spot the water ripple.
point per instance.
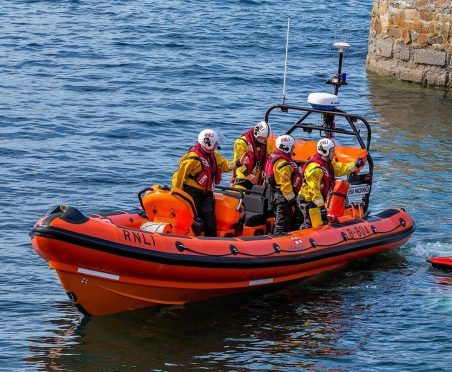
(100, 99)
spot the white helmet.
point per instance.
(262, 129)
(208, 139)
(285, 143)
(325, 147)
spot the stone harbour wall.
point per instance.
(412, 41)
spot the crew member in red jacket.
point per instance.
(319, 174)
(252, 145)
(199, 171)
(285, 180)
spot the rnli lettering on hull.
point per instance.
(138, 237)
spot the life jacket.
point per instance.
(327, 182)
(256, 157)
(296, 177)
(210, 173)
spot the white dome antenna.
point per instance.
(341, 45)
(323, 101)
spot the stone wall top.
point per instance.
(412, 40)
(418, 22)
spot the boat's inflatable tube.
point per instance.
(107, 263)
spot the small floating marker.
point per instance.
(443, 263)
(402, 222)
(233, 249)
(276, 248)
(313, 243)
(374, 229)
(180, 246)
(344, 236)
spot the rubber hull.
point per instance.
(106, 265)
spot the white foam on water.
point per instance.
(432, 249)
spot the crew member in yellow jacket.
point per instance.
(319, 174)
(253, 147)
(285, 179)
(199, 171)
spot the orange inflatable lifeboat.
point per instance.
(152, 256)
(108, 263)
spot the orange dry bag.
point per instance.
(336, 201)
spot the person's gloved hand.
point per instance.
(323, 214)
(359, 162)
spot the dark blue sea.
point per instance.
(99, 99)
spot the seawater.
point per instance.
(100, 99)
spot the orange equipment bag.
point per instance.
(336, 201)
(170, 211)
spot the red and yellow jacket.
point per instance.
(319, 176)
(284, 174)
(257, 155)
(200, 169)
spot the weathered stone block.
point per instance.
(380, 66)
(376, 29)
(427, 16)
(406, 37)
(430, 57)
(381, 11)
(400, 4)
(414, 36)
(422, 40)
(402, 52)
(413, 42)
(448, 49)
(410, 14)
(442, 4)
(427, 28)
(395, 32)
(436, 77)
(384, 24)
(411, 74)
(384, 47)
(410, 25)
(395, 21)
(371, 46)
(394, 4)
(436, 41)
